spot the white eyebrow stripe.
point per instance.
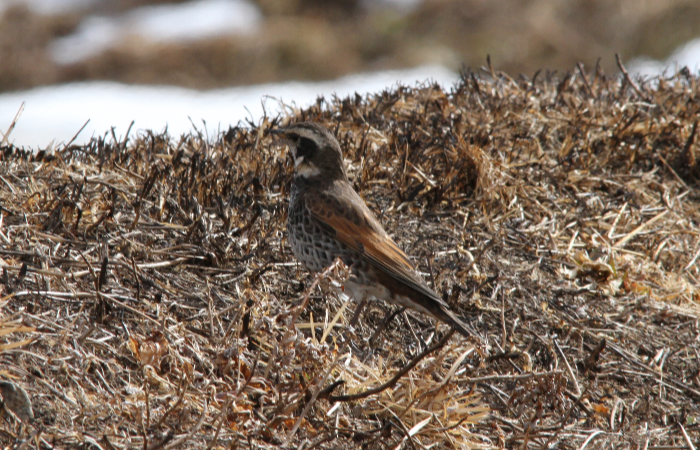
(308, 134)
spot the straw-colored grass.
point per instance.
(559, 216)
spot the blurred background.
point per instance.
(218, 44)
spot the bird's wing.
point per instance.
(347, 217)
(343, 214)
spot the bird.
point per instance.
(327, 219)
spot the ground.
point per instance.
(150, 298)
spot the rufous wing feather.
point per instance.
(354, 225)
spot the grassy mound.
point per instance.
(149, 297)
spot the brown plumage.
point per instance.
(328, 219)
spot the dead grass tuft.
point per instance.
(559, 215)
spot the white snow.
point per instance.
(688, 55)
(403, 6)
(93, 36)
(187, 21)
(55, 114)
(197, 20)
(48, 7)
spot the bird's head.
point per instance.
(315, 151)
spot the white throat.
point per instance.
(306, 170)
(303, 169)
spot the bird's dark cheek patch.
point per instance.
(306, 147)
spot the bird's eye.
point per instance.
(306, 147)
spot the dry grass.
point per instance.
(559, 215)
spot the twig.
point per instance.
(250, 377)
(637, 230)
(688, 147)
(146, 425)
(695, 393)
(181, 396)
(387, 320)
(335, 320)
(36, 435)
(692, 261)
(167, 438)
(685, 436)
(126, 136)
(617, 219)
(531, 424)
(524, 376)
(323, 440)
(585, 80)
(194, 429)
(12, 125)
(76, 135)
(566, 417)
(668, 166)
(317, 279)
(395, 378)
(613, 413)
(136, 280)
(441, 384)
(133, 310)
(627, 76)
(591, 359)
(503, 323)
(590, 438)
(318, 389)
(488, 245)
(92, 272)
(222, 416)
(568, 368)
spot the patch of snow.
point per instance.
(187, 21)
(49, 7)
(93, 36)
(55, 114)
(686, 56)
(196, 20)
(404, 6)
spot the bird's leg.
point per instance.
(387, 319)
(358, 311)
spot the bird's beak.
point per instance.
(279, 131)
